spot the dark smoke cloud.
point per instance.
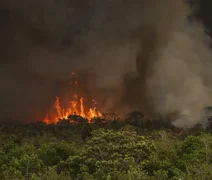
(138, 54)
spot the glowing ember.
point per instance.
(75, 82)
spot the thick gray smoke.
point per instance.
(138, 54)
(181, 78)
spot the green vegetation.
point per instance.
(134, 149)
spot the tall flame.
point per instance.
(82, 108)
(76, 107)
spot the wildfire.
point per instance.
(76, 107)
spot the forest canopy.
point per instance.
(134, 149)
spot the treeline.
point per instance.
(108, 148)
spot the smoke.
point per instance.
(181, 74)
(138, 54)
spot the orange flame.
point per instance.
(76, 108)
(82, 108)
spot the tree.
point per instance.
(51, 174)
(134, 118)
(77, 119)
(52, 153)
(22, 162)
(138, 119)
(164, 161)
(110, 153)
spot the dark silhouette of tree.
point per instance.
(110, 116)
(75, 119)
(136, 118)
(98, 120)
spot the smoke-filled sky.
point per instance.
(135, 54)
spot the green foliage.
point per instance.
(111, 153)
(196, 154)
(57, 152)
(53, 152)
(163, 161)
(51, 174)
(22, 161)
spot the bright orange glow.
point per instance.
(58, 108)
(82, 113)
(46, 119)
(76, 108)
(93, 113)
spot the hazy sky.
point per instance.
(121, 44)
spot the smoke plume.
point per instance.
(138, 54)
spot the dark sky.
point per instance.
(205, 13)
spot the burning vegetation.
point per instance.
(76, 106)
